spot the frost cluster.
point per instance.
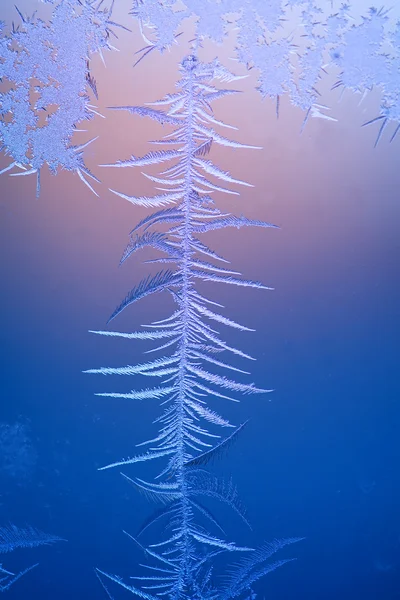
(291, 44)
(45, 72)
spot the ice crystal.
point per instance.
(189, 370)
(46, 69)
(292, 63)
(12, 538)
(367, 58)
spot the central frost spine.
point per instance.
(183, 572)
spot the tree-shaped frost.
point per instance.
(188, 371)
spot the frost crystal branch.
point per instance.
(12, 538)
(188, 370)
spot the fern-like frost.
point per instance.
(190, 364)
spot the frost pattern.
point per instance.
(367, 58)
(47, 72)
(12, 538)
(189, 369)
(291, 60)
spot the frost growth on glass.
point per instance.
(192, 350)
(13, 538)
(292, 45)
(45, 72)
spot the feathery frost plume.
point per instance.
(189, 369)
(12, 538)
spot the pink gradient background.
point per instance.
(333, 195)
